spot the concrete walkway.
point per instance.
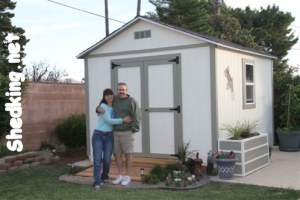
(282, 172)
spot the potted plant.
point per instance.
(241, 130)
(289, 135)
(251, 148)
(225, 162)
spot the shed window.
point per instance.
(142, 34)
(248, 84)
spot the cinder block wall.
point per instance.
(44, 106)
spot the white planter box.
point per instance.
(252, 153)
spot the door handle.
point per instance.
(178, 109)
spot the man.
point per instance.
(124, 105)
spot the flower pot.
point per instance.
(289, 141)
(225, 168)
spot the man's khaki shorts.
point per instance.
(123, 142)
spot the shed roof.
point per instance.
(209, 39)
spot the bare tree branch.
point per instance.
(42, 72)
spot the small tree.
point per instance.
(42, 72)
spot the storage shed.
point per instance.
(187, 84)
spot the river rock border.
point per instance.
(26, 160)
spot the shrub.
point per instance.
(159, 171)
(72, 131)
(150, 179)
(170, 167)
(46, 146)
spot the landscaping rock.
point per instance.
(32, 154)
(39, 158)
(13, 168)
(55, 159)
(45, 162)
(18, 163)
(28, 160)
(10, 159)
(23, 156)
(34, 164)
(5, 166)
(24, 166)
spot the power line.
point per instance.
(85, 11)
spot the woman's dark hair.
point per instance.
(106, 92)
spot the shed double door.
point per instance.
(156, 84)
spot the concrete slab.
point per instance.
(83, 163)
(282, 172)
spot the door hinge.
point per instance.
(113, 65)
(176, 60)
(178, 109)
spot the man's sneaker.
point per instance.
(97, 187)
(118, 180)
(126, 180)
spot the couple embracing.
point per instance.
(119, 119)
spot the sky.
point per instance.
(58, 34)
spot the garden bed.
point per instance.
(133, 185)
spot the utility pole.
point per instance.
(218, 3)
(106, 18)
(138, 8)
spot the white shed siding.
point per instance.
(195, 81)
(99, 79)
(160, 37)
(196, 102)
(230, 105)
(196, 107)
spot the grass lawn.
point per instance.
(42, 183)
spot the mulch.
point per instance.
(71, 155)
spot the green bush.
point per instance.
(159, 171)
(72, 131)
(170, 167)
(150, 179)
(46, 146)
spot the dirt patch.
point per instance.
(71, 155)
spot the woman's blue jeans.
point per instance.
(103, 143)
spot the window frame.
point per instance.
(246, 105)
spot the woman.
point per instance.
(102, 140)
